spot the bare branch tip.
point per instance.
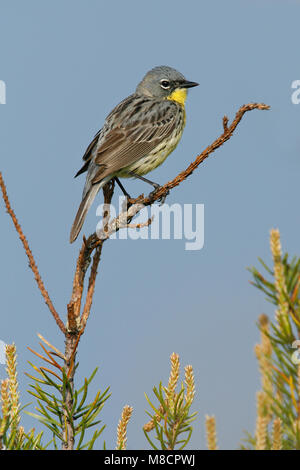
(225, 123)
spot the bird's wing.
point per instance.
(88, 154)
(135, 134)
(110, 121)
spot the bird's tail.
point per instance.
(86, 203)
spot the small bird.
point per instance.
(137, 136)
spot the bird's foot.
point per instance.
(163, 198)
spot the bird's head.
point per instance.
(165, 83)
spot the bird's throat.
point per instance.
(179, 95)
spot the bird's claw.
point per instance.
(163, 198)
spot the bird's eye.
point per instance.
(165, 84)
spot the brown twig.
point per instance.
(83, 262)
(91, 287)
(225, 123)
(108, 192)
(142, 224)
(74, 305)
(29, 254)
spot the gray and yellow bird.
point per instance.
(137, 136)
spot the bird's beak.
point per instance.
(187, 84)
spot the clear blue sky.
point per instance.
(66, 64)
